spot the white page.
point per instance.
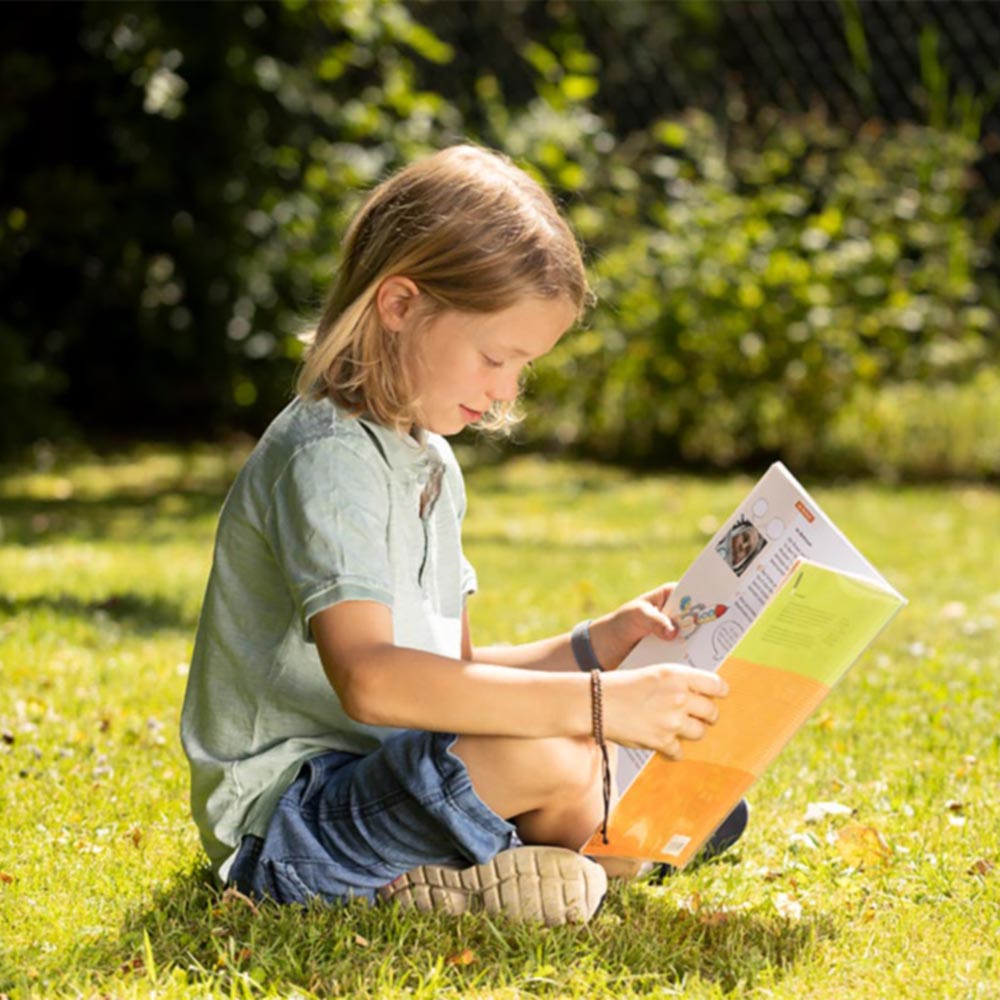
(730, 581)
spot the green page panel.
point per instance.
(818, 623)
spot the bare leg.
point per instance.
(551, 789)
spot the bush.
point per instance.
(754, 287)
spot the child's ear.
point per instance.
(396, 300)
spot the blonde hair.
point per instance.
(476, 234)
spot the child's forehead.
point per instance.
(529, 327)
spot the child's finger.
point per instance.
(705, 709)
(660, 624)
(704, 682)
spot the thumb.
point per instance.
(658, 623)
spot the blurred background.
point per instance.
(789, 211)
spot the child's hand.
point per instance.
(656, 707)
(614, 635)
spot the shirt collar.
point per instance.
(402, 451)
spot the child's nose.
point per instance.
(505, 387)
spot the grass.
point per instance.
(103, 891)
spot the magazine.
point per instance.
(780, 604)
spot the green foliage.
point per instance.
(177, 226)
(761, 279)
(754, 286)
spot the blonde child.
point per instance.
(345, 736)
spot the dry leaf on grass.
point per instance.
(981, 866)
(787, 907)
(362, 942)
(862, 846)
(815, 811)
(232, 894)
(464, 957)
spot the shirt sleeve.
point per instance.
(327, 524)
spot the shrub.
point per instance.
(753, 287)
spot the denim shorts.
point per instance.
(350, 824)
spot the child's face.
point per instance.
(743, 545)
(467, 361)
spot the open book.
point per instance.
(780, 604)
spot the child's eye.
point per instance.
(492, 362)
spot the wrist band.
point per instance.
(583, 649)
(597, 717)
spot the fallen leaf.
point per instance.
(981, 866)
(232, 894)
(6, 878)
(862, 846)
(135, 835)
(816, 811)
(787, 907)
(692, 904)
(464, 957)
(362, 941)
(136, 965)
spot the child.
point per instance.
(345, 736)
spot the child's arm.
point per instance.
(613, 636)
(379, 683)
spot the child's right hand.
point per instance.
(656, 707)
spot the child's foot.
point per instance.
(552, 885)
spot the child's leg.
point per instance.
(550, 789)
(353, 825)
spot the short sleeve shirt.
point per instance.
(328, 508)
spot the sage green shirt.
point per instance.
(328, 508)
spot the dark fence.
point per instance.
(934, 62)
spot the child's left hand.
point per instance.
(614, 635)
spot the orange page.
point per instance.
(810, 632)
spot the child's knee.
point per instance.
(571, 767)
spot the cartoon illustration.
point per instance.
(692, 615)
(741, 545)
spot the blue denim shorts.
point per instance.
(350, 824)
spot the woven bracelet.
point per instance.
(597, 716)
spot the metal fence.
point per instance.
(924, 60)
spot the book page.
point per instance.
(732, 579)
(817, 624)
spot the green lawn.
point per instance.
(103, 892)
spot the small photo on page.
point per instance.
(741, 544)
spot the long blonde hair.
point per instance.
(475, 233)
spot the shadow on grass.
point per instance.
(31, 521)
(640, 943)
(139, 614)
